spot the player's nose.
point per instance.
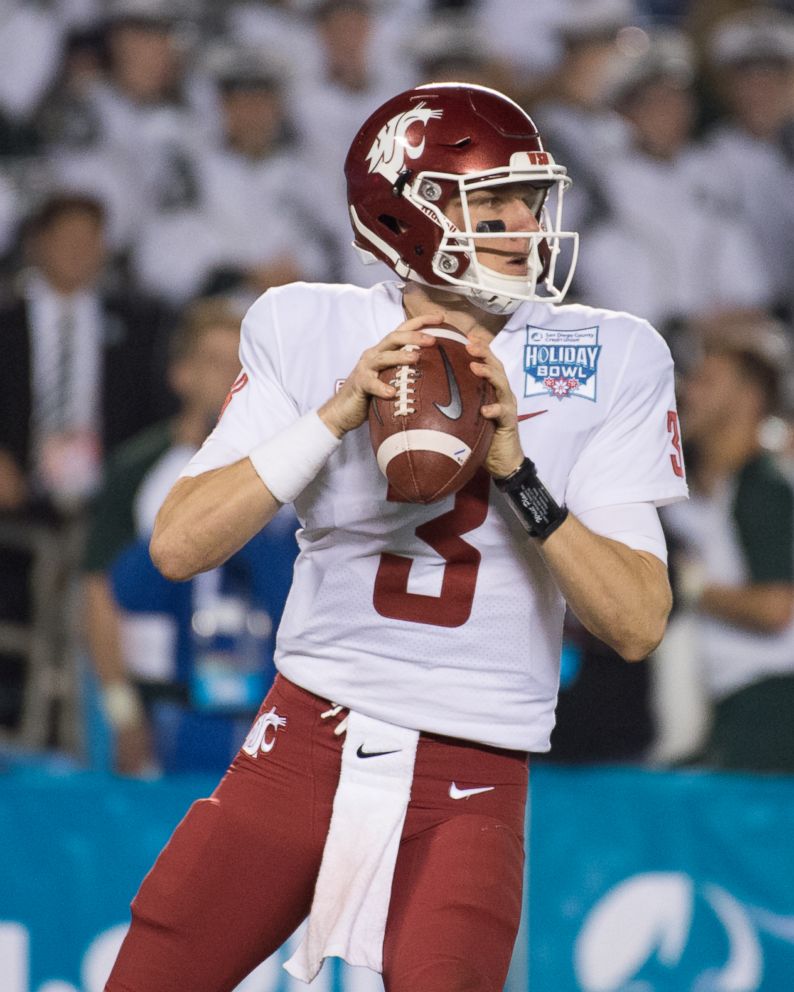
(520, 217)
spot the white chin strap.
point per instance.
(496, 292)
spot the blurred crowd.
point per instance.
(163, 162)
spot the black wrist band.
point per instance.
(532, 503)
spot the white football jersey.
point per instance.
(444, 618)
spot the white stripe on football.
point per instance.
(422, 440)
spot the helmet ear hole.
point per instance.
(394, 225)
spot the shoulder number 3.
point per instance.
(462, 562)
(677, 459)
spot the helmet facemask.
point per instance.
(456, 260)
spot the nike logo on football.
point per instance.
(456, 793)
(361, 753)
(528, 416)
(454, 408)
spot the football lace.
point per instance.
(403, 382)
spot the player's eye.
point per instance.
(534, 197)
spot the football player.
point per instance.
(382, 788)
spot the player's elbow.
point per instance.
(642, 638)
(638, 648)
(171, 557)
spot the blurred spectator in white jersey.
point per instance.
(452, 48)
(125, 139)
(734, 568)
(525, 36)
(664, 251)
(579, 129)
(63, 118)
(275, 26)
(78, 14)
(241, 228)
(533, 38)
(751, 153)
(354, 75)
(30, 38)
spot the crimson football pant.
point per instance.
(237, 876)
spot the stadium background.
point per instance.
(642, 875)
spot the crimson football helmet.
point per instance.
(445, 140)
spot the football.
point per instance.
(431, 438)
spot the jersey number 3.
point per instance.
(677, 459)
(462, 562)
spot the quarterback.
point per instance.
(381, 790)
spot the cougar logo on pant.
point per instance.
(258, 739)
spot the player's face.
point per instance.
(516, 205)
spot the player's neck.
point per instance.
(458, 311)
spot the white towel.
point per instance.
(351, 898)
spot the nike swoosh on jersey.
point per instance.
(361, 753)
(456, 793)
(454, 408)
(528, 416)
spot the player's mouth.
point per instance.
(512, 263)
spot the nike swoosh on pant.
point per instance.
(456, 793)
(361, 753)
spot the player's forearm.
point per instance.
(766, 608)
(620, 595)
(206, 519)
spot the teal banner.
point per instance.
(644, 882)
(638, 882)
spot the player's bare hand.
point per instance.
(348, 409)
(505, 454)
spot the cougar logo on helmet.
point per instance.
(387, 155)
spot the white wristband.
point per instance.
(122, 706)
(288, 462)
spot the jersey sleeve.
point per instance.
(636, 525)
(259, 404)
(634, 456)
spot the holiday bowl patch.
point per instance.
(561, 363)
